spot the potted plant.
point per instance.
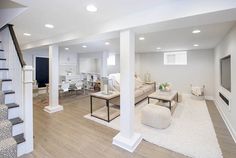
(165, 87)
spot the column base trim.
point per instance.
(129, 144)
(52, 109)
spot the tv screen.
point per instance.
(225, 68)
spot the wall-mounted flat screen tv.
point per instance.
(225, 72)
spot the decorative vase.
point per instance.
(105, 85)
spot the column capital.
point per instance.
(54, 45)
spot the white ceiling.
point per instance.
(72, 21)
(183, 39)
(6, 4)
(168, 40)
(71, 15)
(9, 10)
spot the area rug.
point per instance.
(191, 132)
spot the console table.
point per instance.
(107, 98)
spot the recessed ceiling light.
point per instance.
(158, 48)
(196, 45)
(107, 43)
(141, 38)
(91, 8)
(49, 26)
(196, 31)
(27, 34)
(84, 46)
(66, 48)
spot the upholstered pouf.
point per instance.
(156, 116)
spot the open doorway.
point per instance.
(42, 71)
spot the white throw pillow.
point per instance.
(139, 80)
(115, 81)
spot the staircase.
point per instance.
(12, 127)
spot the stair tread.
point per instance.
(16, 121)
(6, 80)
(12, 105)
(19, 138)
(8, 92)
(7, 142)
(4, 69)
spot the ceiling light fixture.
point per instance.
(107, 43)
(91, 8)
(50, 26)
(141, 38)
(158, 48)
(27, 34)
(66, 48)
(196, 45)
(196, 31)
(84, 46)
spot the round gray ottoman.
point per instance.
(156, 116)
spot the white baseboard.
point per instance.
(206, 97)
(226, 120)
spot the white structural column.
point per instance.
(28, 108)
(127, 138)
(104, 64)
(53, 81)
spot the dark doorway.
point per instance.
(42, 71)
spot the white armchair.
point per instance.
(79, 85)
(64, 87)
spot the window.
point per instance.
(175, 58)
(111, 60)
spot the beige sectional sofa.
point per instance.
(142, 89)
(142, 92)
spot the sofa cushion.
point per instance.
(139, 79)
(138, 93)
(146, 88)
(138, 84)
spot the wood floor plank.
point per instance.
(227, 144)
(67, 134)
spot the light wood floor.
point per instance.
(67, 134)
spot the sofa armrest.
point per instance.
(152, 83)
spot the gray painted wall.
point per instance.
(199, 70)
(226, 47)
(67, 61)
